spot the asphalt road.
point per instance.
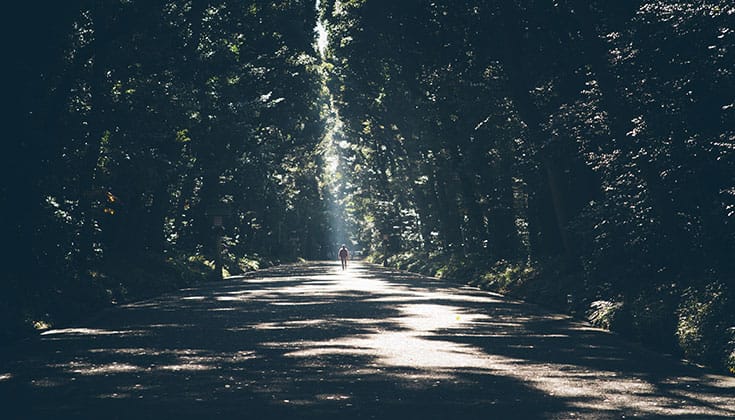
(313, 341)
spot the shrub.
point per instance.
(649, 317)
(704, 328)
(605, 314)
(504, 277)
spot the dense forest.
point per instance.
(577, 153)
(132, 125)
(580, 154)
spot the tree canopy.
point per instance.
(577, 152)
(130, 119)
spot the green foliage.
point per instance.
(457, 269)
(249, 264)
(649, 317)
(705, 327)
(432, 264)
(506, 278)
(580, 159)
(604, 314)
(132, 119)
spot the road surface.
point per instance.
(313, 341)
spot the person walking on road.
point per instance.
(344, 255)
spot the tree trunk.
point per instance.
(520, 86)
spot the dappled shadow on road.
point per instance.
(311, 340)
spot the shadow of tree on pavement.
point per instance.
(313, 341)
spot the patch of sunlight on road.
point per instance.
(83, 331)
(280, 325)
(337, 282)
(192, 367)
(184, 356)
(412, 296)
(316, 323)
(420, 334)
(195, 298)
(101, 369)
(428, 317)
(419, 342)
(151, 360)
(115, 396)
(400, 349)
(66, 333)
(170, 325)
(583, 388)
(686, 389)
(410, 347)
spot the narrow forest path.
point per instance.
(312, 341)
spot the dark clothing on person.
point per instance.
(344, 255)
